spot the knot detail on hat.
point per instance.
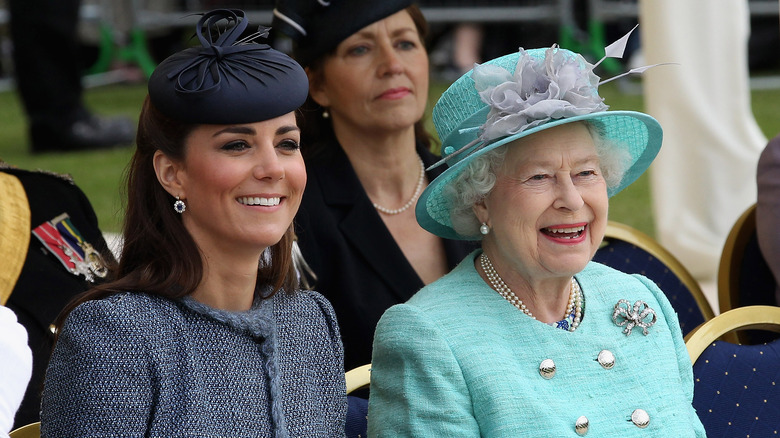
(229, 78)
(217, 51)
(220, 58)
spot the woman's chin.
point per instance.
(569, 266)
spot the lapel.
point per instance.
(363, 229)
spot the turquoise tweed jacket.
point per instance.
(458, 360)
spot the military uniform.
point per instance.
(39, 289)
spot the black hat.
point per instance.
(227, 80)
(318, 26)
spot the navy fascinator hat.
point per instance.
(228, 79)
(318, 26)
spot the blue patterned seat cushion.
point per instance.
(737, 390)
(357, 417)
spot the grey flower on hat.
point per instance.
(517, 95)
(536, 93)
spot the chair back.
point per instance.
(32, 430)
(633, 252)
(744, 278)
(736, 386)
(356, 425)
(358, 378)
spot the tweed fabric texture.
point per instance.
(140, 365)
(458, 360)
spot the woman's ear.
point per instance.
(316, 89)
(167, 171)
(481, 211)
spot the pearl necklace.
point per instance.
(496, 282)
(416, 194)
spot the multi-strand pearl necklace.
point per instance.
(417, 191)
(575, 295)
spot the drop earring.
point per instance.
(325, 113)
(179, 206)
(484, 229)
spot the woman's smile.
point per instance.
(265, 201)
(568, 234)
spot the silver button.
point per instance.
(640, 418)
(547, 368)
(606, 359)
(582, 425)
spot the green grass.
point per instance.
(99, 174)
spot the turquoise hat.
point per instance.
(517, 95)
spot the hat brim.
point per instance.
(640, 134)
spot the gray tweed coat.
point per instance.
(140, 365)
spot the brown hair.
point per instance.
(159, 256)
(317, 134)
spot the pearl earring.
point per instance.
(484, 229)
(179, 206)
(325, 114)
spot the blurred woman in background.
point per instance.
(366, 152)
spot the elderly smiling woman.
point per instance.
(528, 337)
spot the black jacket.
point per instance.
(359, 266)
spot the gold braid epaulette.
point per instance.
(14, 232)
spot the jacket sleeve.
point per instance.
(334, 404)
(99, 379)
(417, 387)
(15, 367)
(683, 358)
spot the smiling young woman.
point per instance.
(204, 332)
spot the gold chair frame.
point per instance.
(32, 430)
(729, 267)
(741, 318)
(629, 234)
(358, 378)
